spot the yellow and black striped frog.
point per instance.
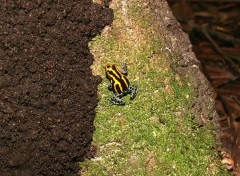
(119, 84)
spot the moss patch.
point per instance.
(153, 134)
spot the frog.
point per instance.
(119, 84)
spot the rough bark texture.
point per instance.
(47, 91)
(177, 45)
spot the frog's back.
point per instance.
(118, 79)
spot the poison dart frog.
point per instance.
(119, 84)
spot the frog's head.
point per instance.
(110, 67)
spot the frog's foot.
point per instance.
(116, 99)
(133, 91)
(110, 87)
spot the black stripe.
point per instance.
(117, 72)
(117, 89)
(124, 85)
(112, 75)
(126, 80)
(120, 84)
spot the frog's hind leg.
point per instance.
(133, 91)
(116, 99)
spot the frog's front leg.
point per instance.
(132, 91)
(110, 86)
(124, 69)
(116, 99)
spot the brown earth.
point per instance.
(48, 94)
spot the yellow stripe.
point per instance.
(122, 77)
(116, 82)
(115, 87)
(117, 75)
(125, 81)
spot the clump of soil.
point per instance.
(47, 91)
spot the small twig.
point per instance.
(218, 50)
(224, 37)
(206, 32)
(220, 35)
(237, 100)
(215, 46)
(228, 82)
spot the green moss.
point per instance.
(154, 134)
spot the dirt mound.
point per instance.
(47, 91)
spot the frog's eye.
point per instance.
(108, 67)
